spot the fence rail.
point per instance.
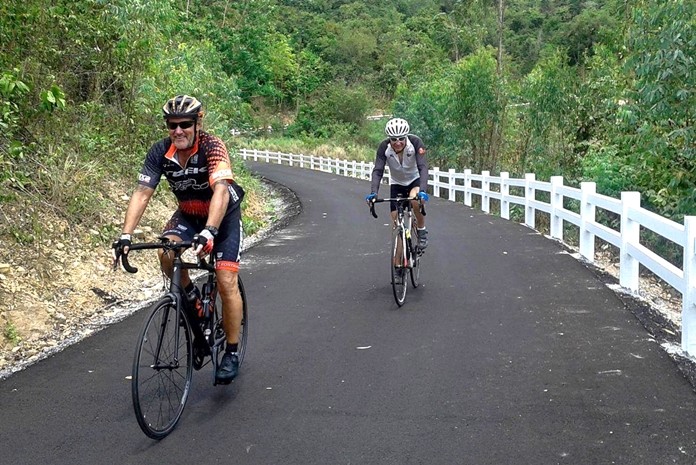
(554, 199)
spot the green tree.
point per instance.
(547, 118)
(659, 116)
(477, 108)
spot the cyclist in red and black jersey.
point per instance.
(197, 166)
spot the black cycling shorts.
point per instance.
(396, 190)
(227, 246)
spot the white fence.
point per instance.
(509, 191)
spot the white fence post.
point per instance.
(486, 188)
(504, 193)
(467, 187)
(529, 196)
(587, 216)
(436, 182)
(689, 294)
(452, 182)
(630, 234)
(556, 223)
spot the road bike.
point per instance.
(405, 252)
(175, 340)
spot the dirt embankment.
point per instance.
(61, 287)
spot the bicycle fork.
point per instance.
(166, 320)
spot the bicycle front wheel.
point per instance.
(398, 268)
(415, 256)
(162, 369)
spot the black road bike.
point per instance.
(405, 252)
(175, 341)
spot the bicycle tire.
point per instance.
(415, 255)
(244, 328)
(398, 273)
(161, 384)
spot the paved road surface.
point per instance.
(511, 352)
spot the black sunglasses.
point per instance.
(183, 125)
(397, 139)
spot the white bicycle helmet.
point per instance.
(396, 127)
(182, 106)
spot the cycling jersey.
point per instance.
(192, 183)
(403, 173)
(192, 186)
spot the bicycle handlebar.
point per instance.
(163, 244)
(372, 203)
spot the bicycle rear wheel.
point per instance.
(244, 328)
(162, 369)
(415, 256)
(398, 270)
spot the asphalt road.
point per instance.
(510, 352)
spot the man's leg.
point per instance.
(231, 304)
(232, 309)
(420, 221)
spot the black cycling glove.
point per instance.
(120, 244)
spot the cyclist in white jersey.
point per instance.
(408, 170)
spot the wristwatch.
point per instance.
(213, 230)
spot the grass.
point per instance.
(11, 334)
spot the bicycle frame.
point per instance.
(172, 343)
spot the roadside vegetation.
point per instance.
(600, 91)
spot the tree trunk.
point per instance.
(501, 26)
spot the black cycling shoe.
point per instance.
(228, 369)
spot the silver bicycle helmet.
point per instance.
(182, 106)
(396, 127)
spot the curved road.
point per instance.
(511, 352)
